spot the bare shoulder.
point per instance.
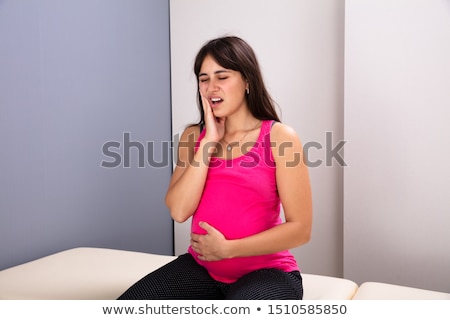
(281, 132)
(191, 134)
(287, 149)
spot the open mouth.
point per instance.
(215, 101)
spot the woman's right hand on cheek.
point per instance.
(215, 127)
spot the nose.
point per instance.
(212, 86)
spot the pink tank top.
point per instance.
(240, 198)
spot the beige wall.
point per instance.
(397, 111)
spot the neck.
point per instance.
(228, 137)
(235, 125)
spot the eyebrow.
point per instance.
(216, 72)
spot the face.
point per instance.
(225, 89)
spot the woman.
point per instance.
(234, 171)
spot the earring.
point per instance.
(247, 90)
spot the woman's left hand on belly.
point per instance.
(212, 246)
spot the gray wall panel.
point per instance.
(75, 75)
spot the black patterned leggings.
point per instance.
(185, 279)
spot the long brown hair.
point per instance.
(234, 53)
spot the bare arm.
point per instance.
(295, 194)
(188, 179)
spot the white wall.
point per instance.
(300, 48)
(397, 112)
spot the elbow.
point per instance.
(307, 236)
(304, 235)
(177, 213)
(302, 239)
(306, 231)
(174, 214)
(181, 205)
(178, 216)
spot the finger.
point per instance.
(195, 236)
(207, 227)
(209, 114)
(205, 104)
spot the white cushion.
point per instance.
(385, 291)
(317, 287)
(78, 274)
(104, 274)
